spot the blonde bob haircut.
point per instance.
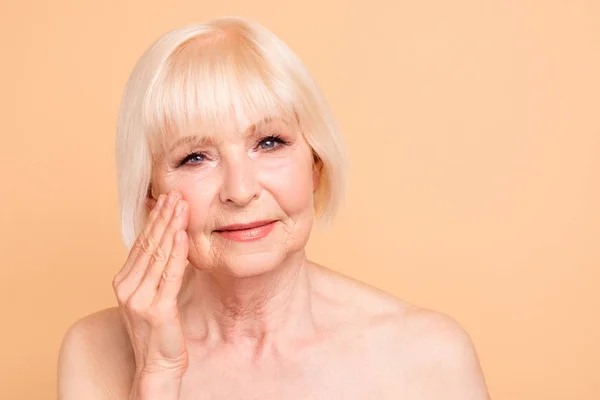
(214, 74)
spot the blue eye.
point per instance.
(267, 144)
(270, 142)
(192, 158)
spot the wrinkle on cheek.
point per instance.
(289, 237)
(194, 247)
(216, 250)
(166, 181)
(218, 254)
(219, 219)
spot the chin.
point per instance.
(249, 265)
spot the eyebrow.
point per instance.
(192, 139)
(200, 139)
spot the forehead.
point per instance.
(235, 126)
(247, 127)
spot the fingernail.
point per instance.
(161, 200)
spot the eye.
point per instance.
(271, 142)
(192, 158)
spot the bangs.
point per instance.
(211, 86)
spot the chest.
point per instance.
(273, 387)
(330, 378)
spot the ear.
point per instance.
(316, 172)
(150, 200)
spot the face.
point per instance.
(249, 193)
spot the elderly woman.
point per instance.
(226, 152)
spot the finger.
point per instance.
(140, 241)
(172, 276)
(151, 280)
(150, 244)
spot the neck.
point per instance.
(256, 311)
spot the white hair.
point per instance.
(206, 73)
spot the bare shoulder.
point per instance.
(95, 359)
(346, 298)
(405, 340)
(433, 337)
(440, 354)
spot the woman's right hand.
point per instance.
(146, 288)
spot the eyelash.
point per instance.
(275, 138)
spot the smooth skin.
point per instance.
(203, 317)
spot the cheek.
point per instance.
(290, 181)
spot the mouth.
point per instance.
(247, 232)
(240, 227)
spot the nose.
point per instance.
(240, 185)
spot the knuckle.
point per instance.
(137, 245)
(175, 255)
(169, 275)
(159, 255)
(121, 297)
(145, 243)
(120, 292)
(116, 282)
(136, 304)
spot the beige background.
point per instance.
(474, 139)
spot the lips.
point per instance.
(239, 227)
(246, 232)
